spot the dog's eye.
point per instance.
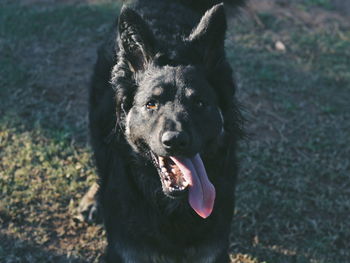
(200, 103)
(152, 105)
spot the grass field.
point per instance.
(293, 197)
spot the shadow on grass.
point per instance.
(48, 52)
(16, 250)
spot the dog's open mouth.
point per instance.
(173, 179)
(179, 174)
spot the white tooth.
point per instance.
(163, 169)
(173, 171)
(166, 173)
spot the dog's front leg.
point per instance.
(113, 257)
(89, 209)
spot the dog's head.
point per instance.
(175, 105)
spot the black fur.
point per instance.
(166, 73)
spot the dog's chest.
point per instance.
(203, 254)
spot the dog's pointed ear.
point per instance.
(136, 39)
(209, 35)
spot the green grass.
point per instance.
(293, 194)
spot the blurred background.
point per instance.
(292, 64)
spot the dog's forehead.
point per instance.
(191, 81)
(183, 78)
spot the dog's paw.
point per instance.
(89, 209)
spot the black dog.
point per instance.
(164, 127)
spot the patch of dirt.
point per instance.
(61, 77)
(272, 128)
(312, 17)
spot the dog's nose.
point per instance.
(175, 140)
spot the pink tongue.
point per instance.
(202, 191)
